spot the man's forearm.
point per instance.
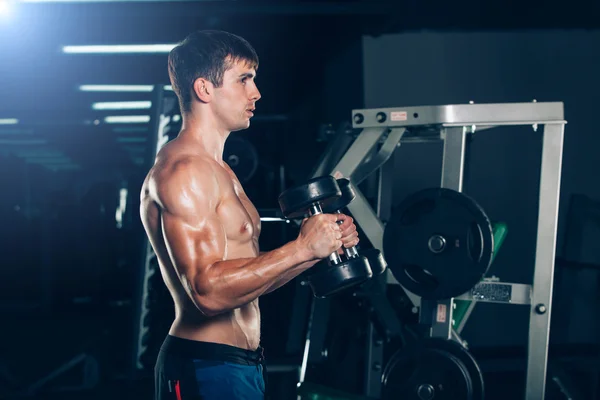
(288, 276)
(229, 284)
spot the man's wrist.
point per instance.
(301, 253)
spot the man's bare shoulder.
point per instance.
(189, 180)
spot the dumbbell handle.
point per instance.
(350, 252)
(314, 210)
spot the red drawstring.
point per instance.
(177, 390)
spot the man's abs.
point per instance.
(239, 328)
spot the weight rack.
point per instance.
(382, 130)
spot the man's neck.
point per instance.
(204, 132)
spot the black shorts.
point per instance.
(187, 369)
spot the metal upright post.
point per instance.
(374, 342)
(453, 165)
(148, 267)
(545, 252)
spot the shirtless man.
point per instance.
(204, 230)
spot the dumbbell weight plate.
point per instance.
(376, 260)
(296, 201)
(346, 198)
(329, 280)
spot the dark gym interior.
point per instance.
(83, 309)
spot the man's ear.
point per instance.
(203, 89)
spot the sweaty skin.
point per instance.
(205, 231)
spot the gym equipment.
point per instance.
(463, 308)
(432, 368)
(90, 376)
(310, 199)
(380, 131)
(439, 243)
(241, 156)
(376, 261)
(313, 391)
(374, 256)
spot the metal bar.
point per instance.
(452, 178)
(460, 114)
(499, 292)
(387, 149)
(360, 208)
(541, 299)
(363, 145)
(33, 388)
(366, 218)
(385, 192)
(374, 362)
(334, 151)
(489, 125)
(314, 348)
(300, 312)
(465, 318)
(453, 162)
(304, 365)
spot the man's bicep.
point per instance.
(192, 231)
(193, 249)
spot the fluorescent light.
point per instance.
(40, 153)
(10, 131)
(122, 105)
(119, 48)
(168, 87)
(23, 142)
(127, 119)
(116, 88)
(8, 121)
(131, 139)
(135, 149)
(130, 129)
(48, 160)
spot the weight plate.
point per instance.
(376, 260)
(295, 202)
(329, 280)
(438, 243)
(348, 195)
(241, 156)
(432, 369)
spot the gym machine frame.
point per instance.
(383, 130)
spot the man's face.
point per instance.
(235, 100)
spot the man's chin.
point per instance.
(241, 127)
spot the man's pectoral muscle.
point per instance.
(195, 236)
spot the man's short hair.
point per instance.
(206, 54)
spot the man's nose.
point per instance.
(255, 95)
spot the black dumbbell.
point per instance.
(310, 199)
(376, 261)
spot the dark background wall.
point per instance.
(430, 68)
